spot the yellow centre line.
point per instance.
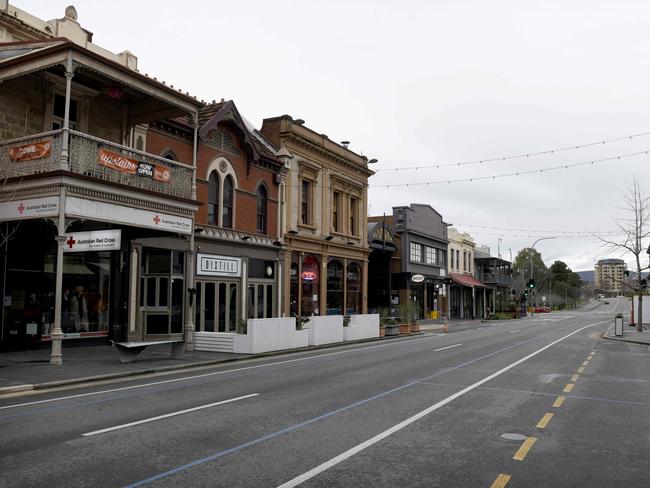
(568, 387)
(501, 481)
(558, 403)
(544, 421)
(575, 377)
(581, 369)
(523, 450)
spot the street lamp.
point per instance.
(532, 248)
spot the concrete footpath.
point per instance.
(630, 334)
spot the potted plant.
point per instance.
(391, 327)
(243, 326)
(346, 320)
(408, 315)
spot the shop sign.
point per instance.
(29, 152)
(213, 265)
(418, 278)
(30, 208)
(117, 162)
(123, 164)
(308, 275)
(109, 212)
(98, 240)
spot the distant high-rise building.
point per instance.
(609, 275)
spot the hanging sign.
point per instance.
(98, 240)
(418, 278)
(123, 164)
(29, 152)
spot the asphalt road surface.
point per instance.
(539, 402)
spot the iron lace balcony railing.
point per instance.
(96, 158)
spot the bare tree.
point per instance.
(634, 228)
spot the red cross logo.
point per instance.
(156, 220)
(21, 209)
(71, 242)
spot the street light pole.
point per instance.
(532, 248)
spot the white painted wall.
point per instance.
(362, 327)
(325, 329)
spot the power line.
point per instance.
(514, 156)
(532, 236)
(515, 173)
(514, 229)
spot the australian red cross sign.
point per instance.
(97, 240)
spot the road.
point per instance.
(539, 402)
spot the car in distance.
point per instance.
(543, 309)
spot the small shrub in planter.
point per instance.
(300, 321)
(346, 320)
(243, 326)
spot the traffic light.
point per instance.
(626, 273)
(530, 284)
(644, 285)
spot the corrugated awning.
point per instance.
(466, 280)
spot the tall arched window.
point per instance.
(261, 209)
(228, 194)
(353, 283)
(334, 287)
(213, 199)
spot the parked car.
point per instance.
(543, 309)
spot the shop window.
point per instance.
(261, 209)
(293, 284)
(162, 291)
(310, 290)
(353, 286)
(335, 287)
(213, 199)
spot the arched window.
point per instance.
(353, 283)
(261, 209)
(228, 194)
(213, 199)
(310, 279)
(334, 287)
(169, 154)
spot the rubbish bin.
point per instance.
(618, 325)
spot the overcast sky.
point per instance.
(424, 83)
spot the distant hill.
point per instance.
(586, 275)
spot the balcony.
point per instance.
(495, 279)
(96, 158)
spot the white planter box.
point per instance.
(361, 327)
(325, 330)
(301, 338)
(263, 335)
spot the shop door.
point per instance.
(217, 306)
